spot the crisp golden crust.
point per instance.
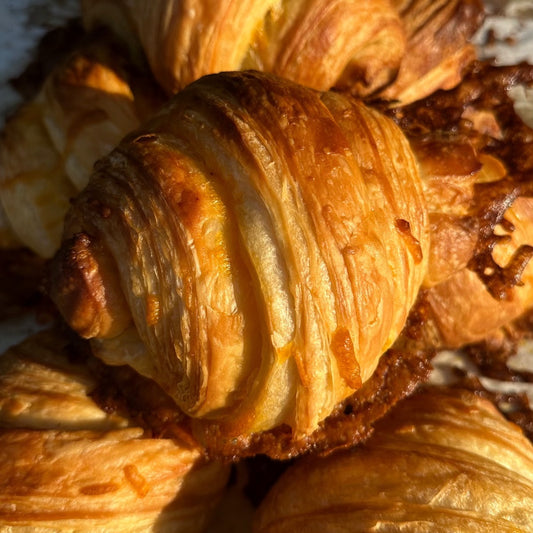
(440, 461)
(95, 308)
(268, 254)
(85, 106)
(66, 464)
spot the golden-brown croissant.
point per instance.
(357, 45)
(48, 148)
(231, 195)
(309, 41)
(255, 249)
(440, 461)
(68, 463)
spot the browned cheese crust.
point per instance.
(475, 157)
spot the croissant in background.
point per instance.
(68, 463)
(407, 49)
(48, 148)
(474, 155)
(248, 252)
(439, 461)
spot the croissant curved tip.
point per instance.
(83, 289)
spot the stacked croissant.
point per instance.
(258, 221)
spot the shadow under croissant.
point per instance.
(397, 375)
(21, 277)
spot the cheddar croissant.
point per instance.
(361, 46)
(255, 249)
(68, 463)
(440, 462)
(309, 41)
(49, 146)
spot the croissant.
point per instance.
(254, 250)
(438, 48)
(359, 46)
(439, 461)
(48, 148)
(70, 464)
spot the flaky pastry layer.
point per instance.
(67, 464)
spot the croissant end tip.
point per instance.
(81, 286)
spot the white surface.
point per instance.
(22, 24)
(511, 24)
(446, 361)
